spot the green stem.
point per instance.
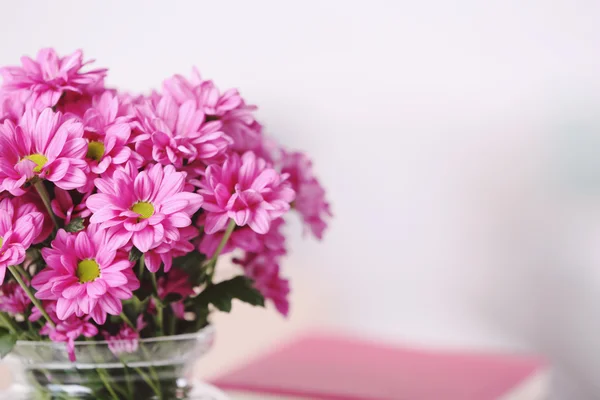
(142, 266)
(43, 393)
(172, 322)
(8, 323)
(33, 299)
(41, 189)
(154, 284)
(106, 383)
(148, 380)
(212, 263)
(128, 381)
(127, 320)
(228, 231)
(102, 373)
(23, 272)
(144, 376)
(33, 331)
(159, 304)
(152, 370)
(159, 318)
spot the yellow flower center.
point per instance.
(1, 241)
(144, 209)
(95, 150)
(87, 270)
(40, 161)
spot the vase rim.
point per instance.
(207, 332)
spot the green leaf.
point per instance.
(222, 303)
(7, 342)
(221, 294)
(135, 254)
(75, 225)
(192, 260)
(191, 263)
(202, 317)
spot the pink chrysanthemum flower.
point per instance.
(178, 134)
(69, 330)
(29, 203)
(47, 145)
(263, 269)
(49, 76)
(229, 108)
(147, 208)
(13, 299)
(64, 208)
(204, 93)
(243, 128)
(12, 105)
(126, 340)
(245, 189)
(74, 104)
(246, 239)
(17, 233)
(310, 196)
(109, 149)
(106, 109)
(49, 306)
(107, 130)
(166, 251)
(85, 275)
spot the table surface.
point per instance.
(262, 329)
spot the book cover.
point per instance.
(336, 368)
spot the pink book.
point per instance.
(334, 368)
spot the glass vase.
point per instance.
(158, 368)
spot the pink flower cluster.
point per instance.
(245, 189)
(100, 191)
(126, 339)
(261, 263)
(86, 275)
(13, 299)
(19, 227)
(310, 196)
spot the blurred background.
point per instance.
(458, 142)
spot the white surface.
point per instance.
(534, 388)
(263, 331)
(427, 121)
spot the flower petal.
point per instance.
(65, 308)
(143, 240)
(73, 291)
(215, 222)
(114, 279)
(260, 221)
(110, 304)
(84, 248)
(143, 187)
(98, 287)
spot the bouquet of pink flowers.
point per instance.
(115, 208)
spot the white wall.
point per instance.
(433, 124)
